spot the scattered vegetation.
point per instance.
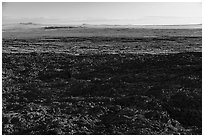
(102, 81)
(58, 93)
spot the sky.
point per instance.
(120, 13)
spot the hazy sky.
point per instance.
(103, 13)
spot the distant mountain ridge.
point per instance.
(30, 25)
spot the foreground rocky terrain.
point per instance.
(58, 93)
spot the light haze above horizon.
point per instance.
(120, 13)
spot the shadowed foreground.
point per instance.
(50, 93)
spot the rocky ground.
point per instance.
(59, 93)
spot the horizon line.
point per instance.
(81, 24)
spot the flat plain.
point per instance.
(101, 80)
